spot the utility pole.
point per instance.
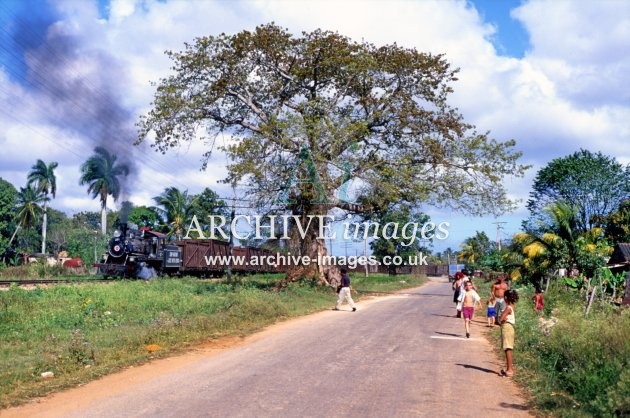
(499, 228)
(347, 245)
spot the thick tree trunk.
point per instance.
(321, 269)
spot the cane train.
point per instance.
(142, 253)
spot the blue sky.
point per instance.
(551, 74)
(511, 38)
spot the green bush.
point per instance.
(579, 366)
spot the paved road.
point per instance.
(398, 356)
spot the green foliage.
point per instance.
(27, 240)
(474, 249)
(145, 216)
(396, 246)
(87, 244)
(208, 203)
(612, 283)
(8, 200)
(560, 244)
(43, 175)
(574, 366)
(101, 172)
(28, 208)
(593, 184)
(59, 226)
(87, 220)
(381, 112)
(176, 208)
(46, 183)
(618, 223)
(495, 260)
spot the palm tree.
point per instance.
(44, 177)
(562, 245)
(176, 206)
(553, 247)
(101, 173)
(28, 208)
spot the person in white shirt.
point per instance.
(469, 299)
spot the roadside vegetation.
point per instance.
(575, 358)
(571, 365)
(84, 331)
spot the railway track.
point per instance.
(51, 281)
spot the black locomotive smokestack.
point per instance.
(125, 210)
(123, 231)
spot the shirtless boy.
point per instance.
(499, 289)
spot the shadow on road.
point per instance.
(445, 316)
(481, 369)
(513, 406)
(432, 294)
(449, 334)
(398, 293)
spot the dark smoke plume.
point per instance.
(82, 91)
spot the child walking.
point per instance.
(539, 304)
(508, 319)
(469, 298)
(492, 313)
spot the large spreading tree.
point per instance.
(322, 109)
(593, 184)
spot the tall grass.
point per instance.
(84, 331)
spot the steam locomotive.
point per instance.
(139, 253)
(143, 253)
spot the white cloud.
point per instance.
(583, 46)
(569, 91)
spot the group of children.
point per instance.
(500, 310)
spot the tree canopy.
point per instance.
(144, 216)
(43, 175)
(28, 207)
(308, 113)
(592, 183)
(176, 208)
(397, 245)
(102, 173)
(376, 114)
(618, 223)
(475, 248)
(8, 200)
